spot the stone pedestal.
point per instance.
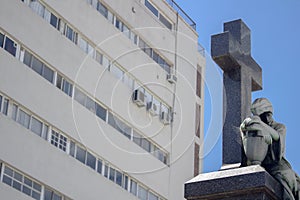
(247, 183)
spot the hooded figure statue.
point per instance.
(262, 125)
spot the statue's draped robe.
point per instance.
(279, 167)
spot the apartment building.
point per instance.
(99, 99)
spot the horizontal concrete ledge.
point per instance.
(251, 182)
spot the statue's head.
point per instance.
(263, 108)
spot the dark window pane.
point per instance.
(36, 186)
(1, 39)
(145, 144)
(151, 8)
(10, 46)
(125, 185)
(5, 106)
(47, 194)
(119, 178)
(56, 196)
(8, 171)
(102, 9)
(72, 148)
(16, 185)
(106, 171)
(48, 74)
(100, 112)
(90, 104)
(91, 161)
(67, 88)
(59, 81)
(26, 190)
(54, 21)
(27, 58)
(23, 119)
(37, 65)
(0, 102)
(18, 176)
(36, 126)
(7, 180)
(80, 154)
(99, 167)
(165, 22)
(152, 196)
(28, 182)
(112, 174)
(36, 195)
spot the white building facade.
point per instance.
(99, 99)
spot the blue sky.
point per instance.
(275, 34)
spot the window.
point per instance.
(27, 58)
(105, 61)
(165, 21)
(38, 66)
(101, 112)
(58, 140)
(99, 167)
(90, 104)
(1, 40)
(54, 21)
(23, 118)
(151, 8)
(37, 7)
(119, 125)
(10, 46)
(71, 34)
(51, 195)
(64, 85)
(119, 24)
(102, 9)
(80, 154)
(22, 183)
(137, 138)
(199, 82)
(152, 196)
(112, 174)
(72, 149)
(0, 102)
(142, 194)
(91, 161)
(5, 106)
(98, 57)
(119, 178)
(125, 184)
(48, 73)
(36, 126)
(145, 144)
(133, 187)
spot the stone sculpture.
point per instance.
(264, 143)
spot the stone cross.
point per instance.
(231, 50)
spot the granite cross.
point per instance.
(231, 50)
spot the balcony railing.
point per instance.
(201, 50)
(183, 14)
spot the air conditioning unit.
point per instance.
(152, 108)
(165, 118)
(172, 78)
(139, 98)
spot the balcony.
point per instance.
(183, 14)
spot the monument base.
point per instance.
(247, 183)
